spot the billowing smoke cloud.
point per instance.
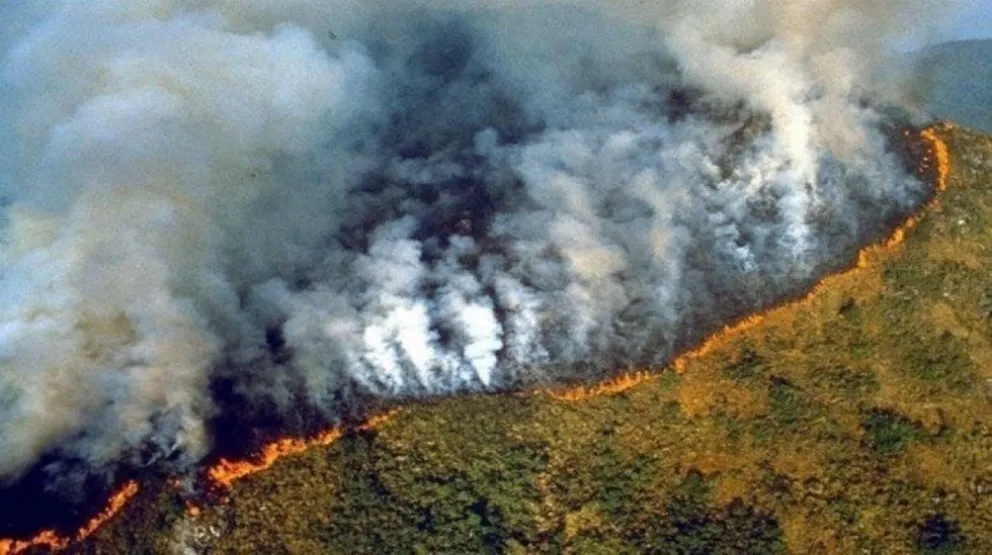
(316, 201)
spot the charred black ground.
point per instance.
(44, 499)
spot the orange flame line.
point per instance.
(940, 154)
(54, 542)
(226, 472)
(613, 386)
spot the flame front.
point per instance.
(54, 542)
(223, 474)
(616, 385)
(937, 158)
(226, 472)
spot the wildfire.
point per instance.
(712, 341)
(223, 474)
(226, 472)
(613, 386)
(54, 542)
(938, 154)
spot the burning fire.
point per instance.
(610, 387)
(54, 542)
(938, 154)
(226, 472)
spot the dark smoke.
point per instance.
(307, 205)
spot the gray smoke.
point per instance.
(317, 200)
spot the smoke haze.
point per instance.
(314, 202)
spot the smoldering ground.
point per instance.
(222, 209)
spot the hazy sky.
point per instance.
(974, 20)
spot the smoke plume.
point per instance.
(314, 202)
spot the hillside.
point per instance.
(854, 421)
(956, 81)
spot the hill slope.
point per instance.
(855, 420)
(956, 78)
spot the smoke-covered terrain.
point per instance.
(305, 204)
(953, 78)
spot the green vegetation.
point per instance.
(856, 422)
(888, 432)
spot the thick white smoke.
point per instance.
(312, 200)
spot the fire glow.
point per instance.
(936, 153)
(226, 472)
(51, 540)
